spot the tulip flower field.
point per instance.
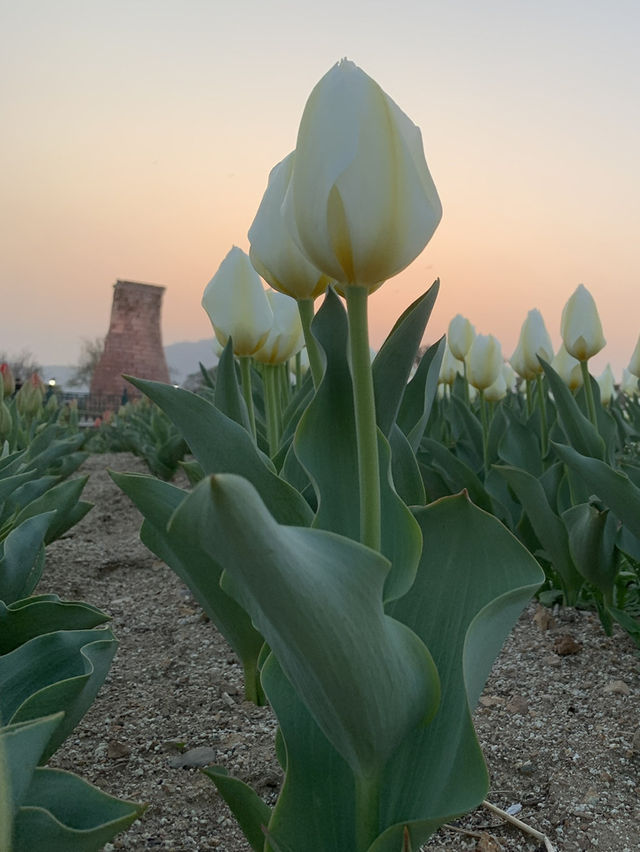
(363, 531)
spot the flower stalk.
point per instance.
(365, 416)
(245, 374)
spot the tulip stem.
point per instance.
(367, 811)
(544, 430)
(245, 373)
(298, 371)
(529, 397)
(305, 309)
(365, 415)
(588, 390)
(485, 433)
(272, 405)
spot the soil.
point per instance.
(559, 720)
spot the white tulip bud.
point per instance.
(484, 361)
(580, 326)
(361, 203)
(237, 305)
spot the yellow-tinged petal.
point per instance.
(580, 326)
(361, 202)
(273, 253)
(237, 305)
(285, 337)
(484, 361)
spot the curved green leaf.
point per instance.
(180, 548)
(62, 813)
(335, 459)
(614, 488)
(466, 549)
(24, 619)
(21, 562)
(317, 599)
(252, 813)
(56, 671)
(420, 393)
(547, 526)
(580, 431)
(222, 446)
(394, 361)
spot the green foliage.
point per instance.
(574, 504)
(53, 658)
(369, 657)
(142, 429)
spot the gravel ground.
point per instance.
(559, 720)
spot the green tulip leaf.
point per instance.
(8, 484)
(335, 460)
(592, 541)
(64, 500)
(614, 488)
(437, 772)
(519, 446)
(317, 599)
(548, 527)
(30, 617)
(181, 549)
(21, 747)
(222, 446)
(580, 432)
(22, 557)
(405, 469)
(252, 813)
(454, 472)
(468, 549)
(394, 361)
(420, 393)
(228, 397)
(62, 813)
(55, 671)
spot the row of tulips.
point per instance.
(525, 460)
(53, 654)
(316, 552)
(479, 359)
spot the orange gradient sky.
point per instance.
(138, 135)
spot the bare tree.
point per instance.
(90, 353)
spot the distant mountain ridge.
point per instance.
(182, 360)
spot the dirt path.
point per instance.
(561, 733)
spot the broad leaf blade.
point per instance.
(468, 550)
(393, 363)
(547, 526)
(317, 599)
(252, 813)
(615, 489)
(222, 446)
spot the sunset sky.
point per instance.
(137, 136)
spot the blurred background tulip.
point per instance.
(237, 305)
(534, 341)
(580, 326)
(450, 368)
(634, 363)
(484, 361)
(629, 383)
(285, 336)
(607, 384)
(460, 336)
(568, 368)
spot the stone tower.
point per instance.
(133, 344)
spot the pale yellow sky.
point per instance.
(138, 136)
